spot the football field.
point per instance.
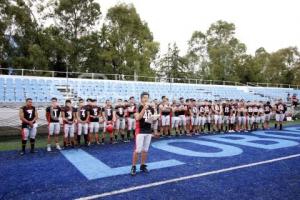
(256, 165)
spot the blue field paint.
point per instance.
(52, 176)
(285, 135)
(92, 168)
(251, 141)
(291, 128)
(225, 150)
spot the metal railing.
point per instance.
(83, 75)
(279, 85)
(88, 75)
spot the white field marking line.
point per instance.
(125, 190)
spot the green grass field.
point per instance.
(14, 143)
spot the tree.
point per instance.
(76, 19)
(20, 36)
(224, 50)
(172, 65)
(283, 65)
(197, 55)
(127, 41)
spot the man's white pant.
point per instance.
(175, 121)
(94, 127)
(251, 120)
(202, 120)
(242, 120)
(165, 120)
(28, 133)
(218, 119)
(130, 124)
(232, 119)
(154, 125)
(142, 142)
(69, 130)
(187, 120)
(262, 118)
(182, 120)
(120, 123)
(194, 120)
(84, 127)
(279, 117)
(257, 119)
(54, 128)
(208, 119)
(267, 117)
(226, 119)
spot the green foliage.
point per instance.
(172, 65)
(219, 55)
(73, 35)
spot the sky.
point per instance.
(272, 24)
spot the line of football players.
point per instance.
(180, 117)
(117, 120)
(183, 116)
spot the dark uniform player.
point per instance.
(144, 120)
(155, 106)
(250, 116)
(69, 117)
(218, 113)
(267, 116)
(233, 117)
(183, 110)
(194, 112)
(28, 115)
(130, 111)
(120, 120)
(83, 116)
(53, 115)
(94, 122)
(175, 116)
(280, 113)
(207, 114)
(108, 114)
(165, 112)
(256, 116)
(202, 118)
(226, 120)
(188, 117)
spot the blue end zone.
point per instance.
(88, 171)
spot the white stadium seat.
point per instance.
(41, 89)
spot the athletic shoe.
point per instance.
(133, 171)
(48, 147)
(58, 147)
(144, 169)
(22, 153)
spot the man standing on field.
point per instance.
(143, 133)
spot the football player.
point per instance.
(28, 116)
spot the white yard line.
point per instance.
(158, 183)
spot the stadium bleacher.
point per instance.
(16, 89)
